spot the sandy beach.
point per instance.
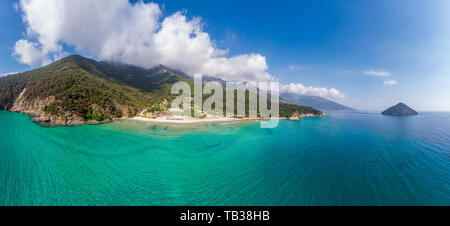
(186, 120)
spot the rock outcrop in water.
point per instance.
(400, 109)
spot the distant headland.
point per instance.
(400, 109)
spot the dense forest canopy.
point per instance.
(102, 90)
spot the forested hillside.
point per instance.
(75, 89)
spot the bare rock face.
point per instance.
(35, 108)
(298, 116)
(400, 109)
(77, 91)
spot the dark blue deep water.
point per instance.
(341, 159)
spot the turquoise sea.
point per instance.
(349, 158)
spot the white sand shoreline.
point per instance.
(190, 120)
(186, 120)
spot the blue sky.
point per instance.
(334, 44)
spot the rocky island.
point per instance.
(400, 109)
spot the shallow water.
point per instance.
(342, 159)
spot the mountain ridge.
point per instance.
(314, 101)
(400, 109)
(77, 90)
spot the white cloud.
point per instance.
(136, 34)
(131, 33)
(300, 89)
(378, 73)
(28, 52)
(389, 82)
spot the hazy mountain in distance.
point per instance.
(314, 101)
(400, 109)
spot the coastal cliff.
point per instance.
(77, 91)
